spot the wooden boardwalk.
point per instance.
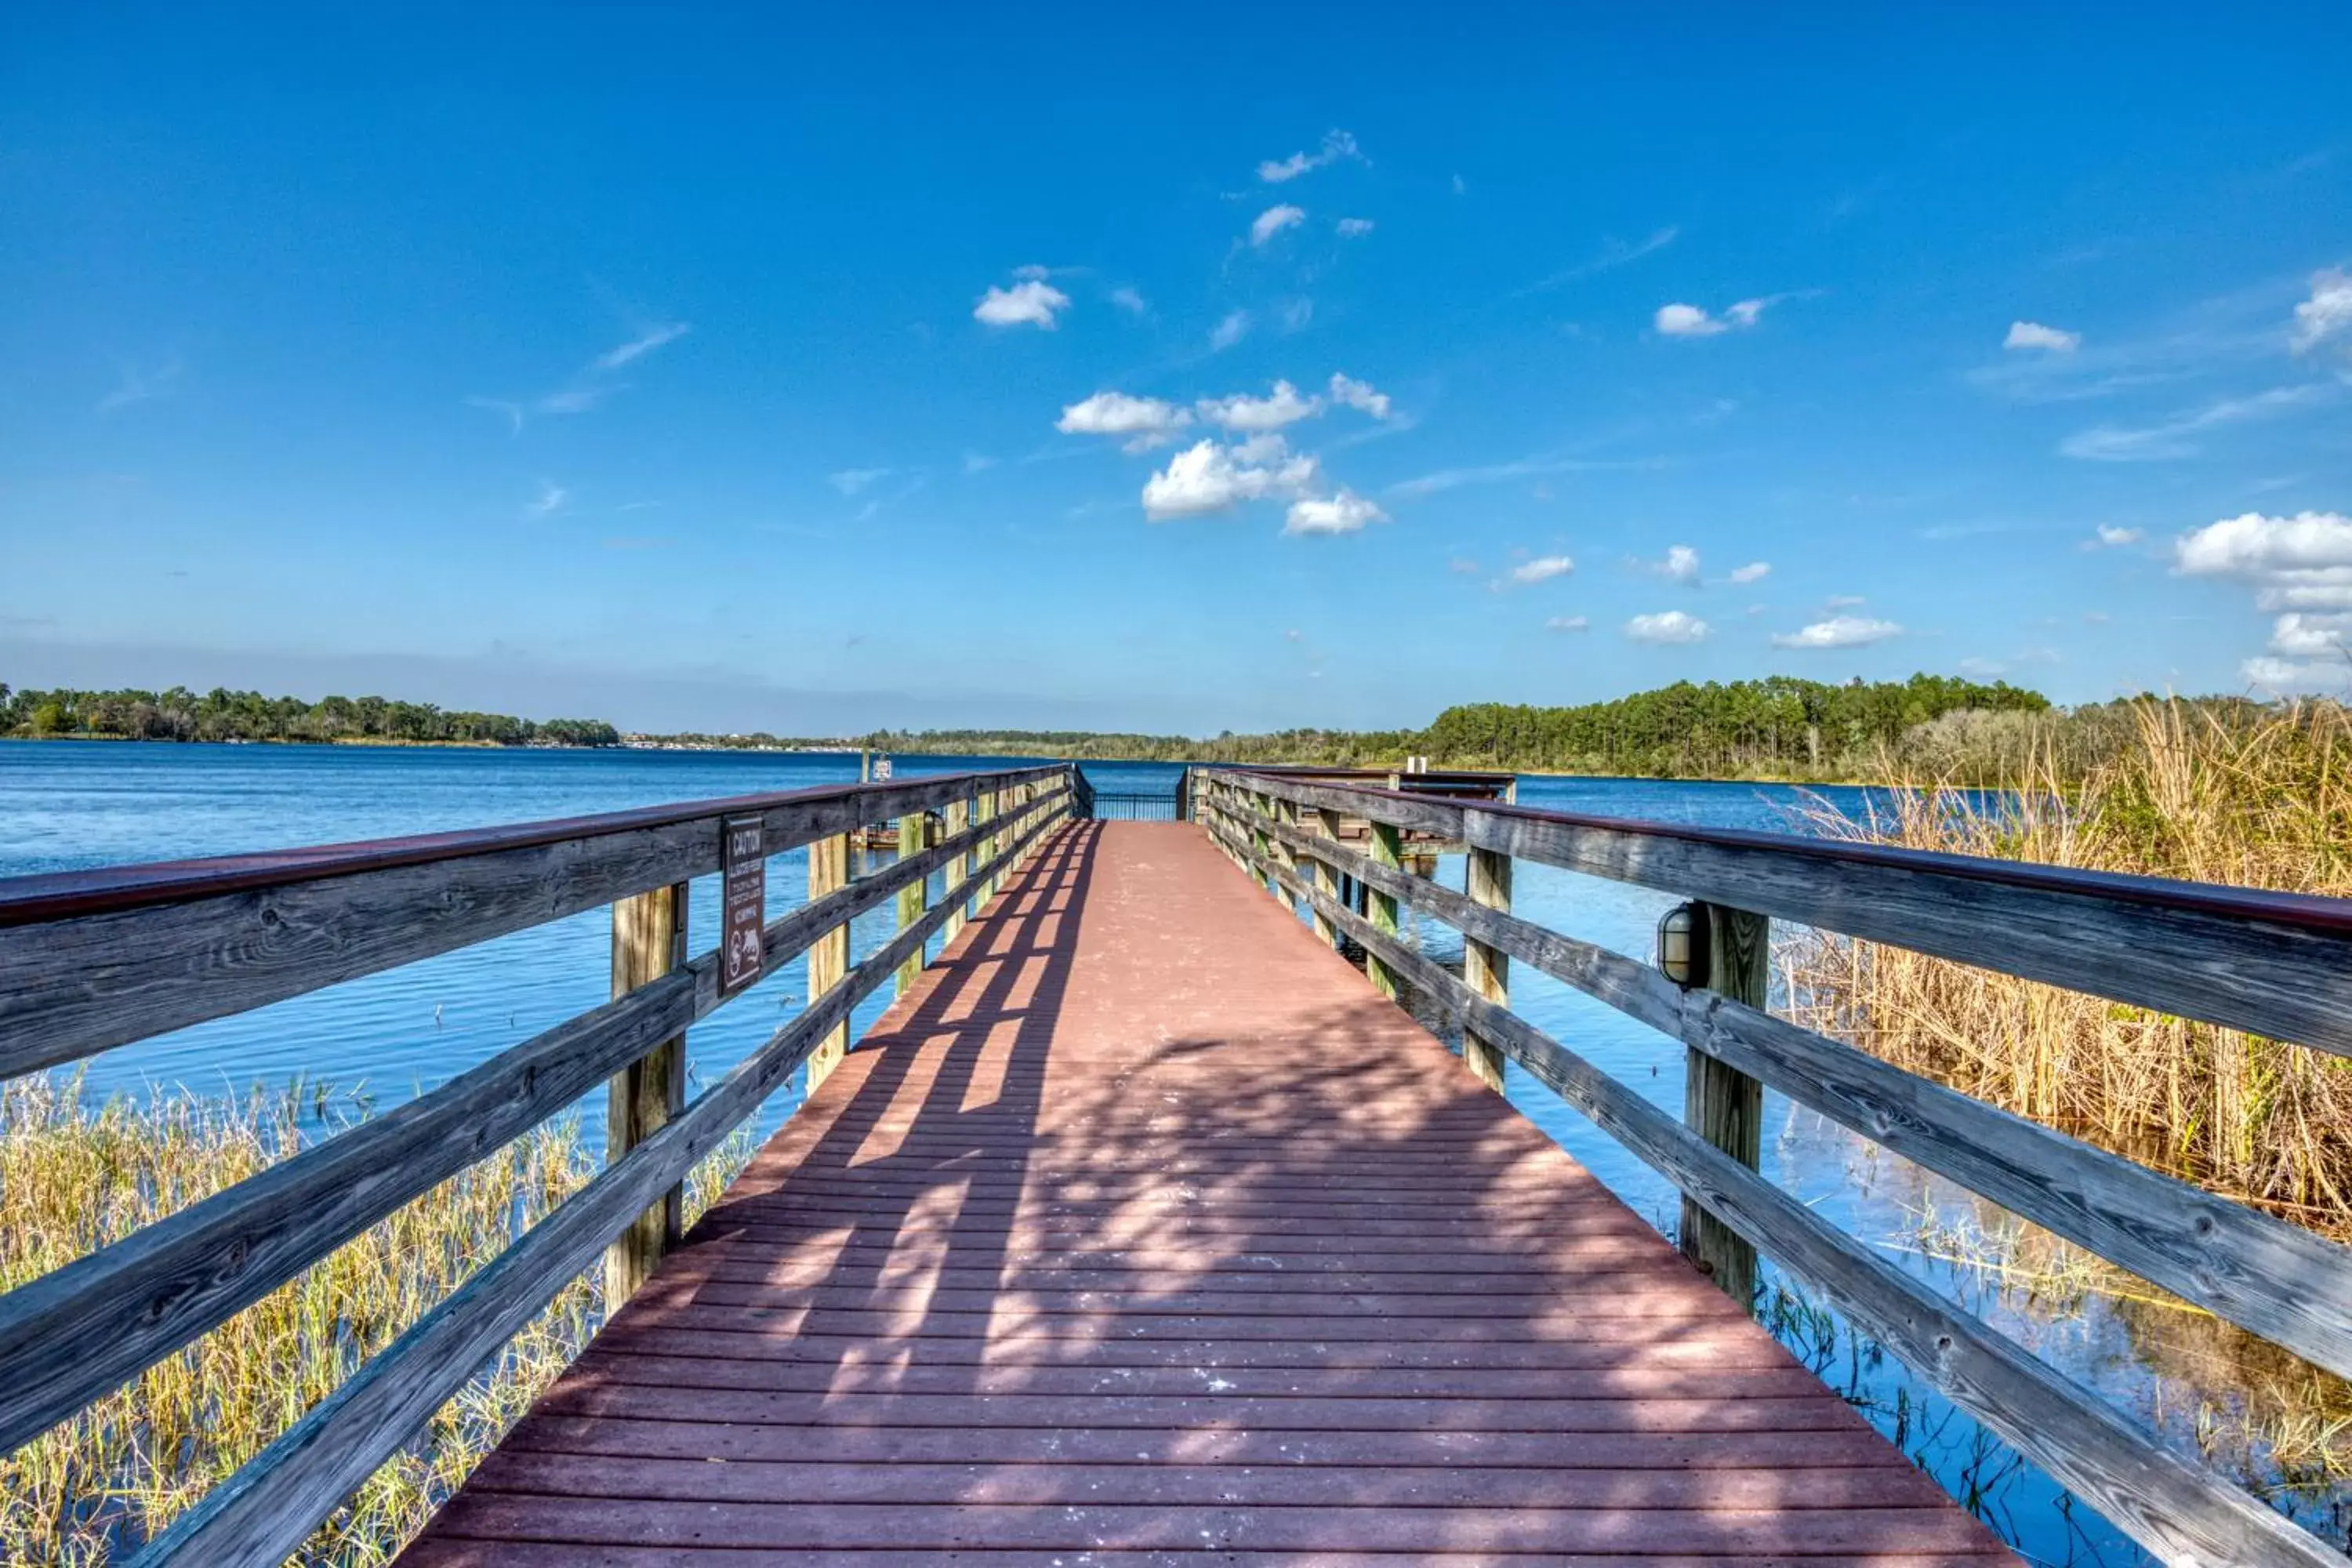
(1142, 1231)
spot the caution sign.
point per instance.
(742, 901)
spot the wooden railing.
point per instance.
(95, 959)
(2272, 964)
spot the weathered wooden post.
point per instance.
(1387, 846)
(1722, 1104)
(828, 956)
(984, 815)
(648, 941)
(914, 837)
(1487, 970)
(959, 820)
(1327, 880)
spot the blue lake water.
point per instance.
(66, 806)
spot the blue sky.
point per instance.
(737, 369)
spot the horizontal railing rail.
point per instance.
(2274, 1279)
(79, 1333)
(90, 960)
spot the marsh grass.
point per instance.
(2260, 799)
(73, 1177)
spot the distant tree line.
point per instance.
(1778, 727)
(180, 714)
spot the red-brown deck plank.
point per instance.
(1142, 1233)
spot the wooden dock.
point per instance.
(1142, 1231)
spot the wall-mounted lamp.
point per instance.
(1683, 941)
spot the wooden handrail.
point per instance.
(2275, 964)
(129, 1304)
(2275, 1280)
(260, 1514)
(90, 960)
(67, 988)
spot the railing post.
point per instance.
(914, 837)
(828, 956)
(1484, 969)
(959, 820)
(984, 815)
(648, 941)
(1327, 880)
(1722, 1104)
(1387, 844)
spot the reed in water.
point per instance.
(2260, 801)
(73, 1177)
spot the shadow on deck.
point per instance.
(1142, 1232)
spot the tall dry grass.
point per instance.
(75, 1176)
(2261, 800)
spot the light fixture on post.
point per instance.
(1682, 940)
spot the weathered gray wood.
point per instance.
(2183, 1514)
(2183, 948)
(913, 830)
(648, 941)
(83, 1330)
(73, 985)
(1722, 1104)
(1327, 881)
(1388, 848)
(1485, 969)
(2269, 1276)
(828, 956)
(959, 820)
(260, 1514)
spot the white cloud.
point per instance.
(1139, 423)
(1354, 227)
(1245, 413)
(2299, 563)
(849, 481)
(1691, 321)
(1688, 322)
(2287, 678)
(1129, 301)
(547, 502)
(643, 344)
(2110, 537)
(1754, 572)
(1207, 477)
(2327, 313)
(1229, 331)
(1462, 566)
(1274, 220)
(1337, 144)
(1031, 302)
(2034, 335)
(2174, 438)
(1679, 565)
(2252, 545)
(1567, 623)
(977, 462)
(1358, 394)
(1667, 627)
(1542, 569)
(1839, 631)
(1842, 601)
(1342, 513)
(2301, 634)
